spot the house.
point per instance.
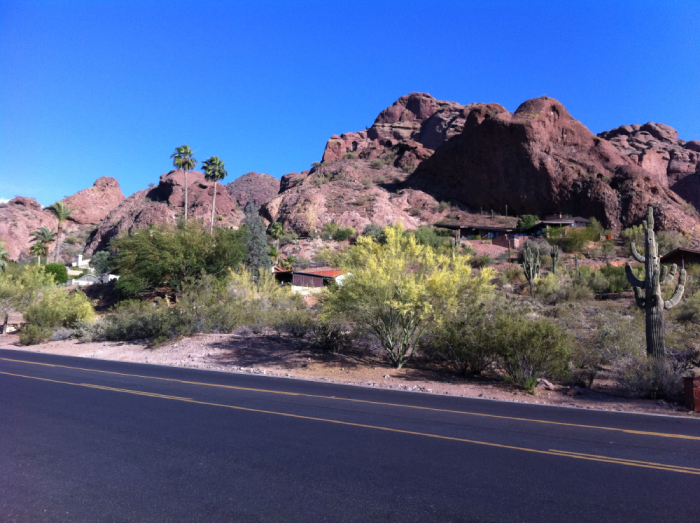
(80, 263)
(682, 257)
(556, 220)
(316, 277)
(503, 236)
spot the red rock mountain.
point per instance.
(540, 160)
(656, 148)
(22, 216)
(93, 204)
(260, 188)
(164, 203)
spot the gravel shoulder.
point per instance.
(286, 357)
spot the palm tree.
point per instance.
(277, 231)
(61, 211)
(3, 257)
(182, 158)
(38, 250)
(213, 171)
(43, 238)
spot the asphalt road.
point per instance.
(90, 440)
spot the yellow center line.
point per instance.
(551, 452)
(352, 400)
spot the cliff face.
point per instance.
(540, 160)
(656, 148)
(164, 204)
(91, 205)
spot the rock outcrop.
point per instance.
(540, 160)
(91, 205)
(18, 219)
(413, 127)
(656, 148)
(260, 188)
(164, 204)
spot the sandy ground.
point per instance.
(280, 356)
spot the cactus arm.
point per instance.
(641, 301)
(667, 276)
(678, 293)
(635, 254)
(634, 281)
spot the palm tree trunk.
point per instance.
(58, 241)
(213, 209)
(185, 194)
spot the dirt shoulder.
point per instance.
(281, 356)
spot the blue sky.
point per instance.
(104, 88)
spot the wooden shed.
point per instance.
(315, 277)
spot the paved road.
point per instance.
(90, 440)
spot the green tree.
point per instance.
(397, 289)
(62, 212)
(258, 256)
(101, 261)
(167, 256)
(58, 270)
(213, 171)
(277, 231)
(182, 159)
(527, 221)
(42, 238)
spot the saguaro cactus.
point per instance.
(555, 258)
(654, 277)
(531, 266)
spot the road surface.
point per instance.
(91, 440)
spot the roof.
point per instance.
(326, 272)
(679, 251)
(477, 227)
(576, 219)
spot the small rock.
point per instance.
(572, 393)
(386, 376)
(541, 382)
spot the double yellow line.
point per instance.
(551, 452)
(334, 398)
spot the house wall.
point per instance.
(307, 280)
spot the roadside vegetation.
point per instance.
(413, 297)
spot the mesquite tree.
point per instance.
(531, 265)
(652, 301)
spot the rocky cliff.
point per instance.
(656, 148)
(541, 160)
(260, 188)
(164, 204)
(91, 205)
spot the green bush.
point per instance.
(329, 230)
(527, 221)
(431, 237)
(167, 256)
(481, 261)
(20, 284)
(56, 308)
(58, 271)
(350, 156)
(531, 349)
(513, 273)
(344, 234)
(377, 163)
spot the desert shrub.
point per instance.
(350, 156)
(408, 168)
(609, 249)
(377, 163)
(575, 240)
(374, 231)
(466, 341)
(550, 288)
(288, 237)
(531, 349)
(579, 292)
(296, 323)
(689, 310)
(431, 237)
(20, 284)
(328, 230)
(168, 256)
(668, 240)
(344, 234)
(513, 273)
(634, 234)
(55, 308)
(442, 206)
(481, 261)
(537, 244)
(644, 377)
(692, 282)
(329, 336)
(58, 271)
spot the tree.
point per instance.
(653, 302)
(62, 212)
(258, 256)
(277, 231)
(399, 288)
(3, 257)
(43, 238)
(213, 171)
(182, 159)
(527, 221)
(101, 261)
(167, 256)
